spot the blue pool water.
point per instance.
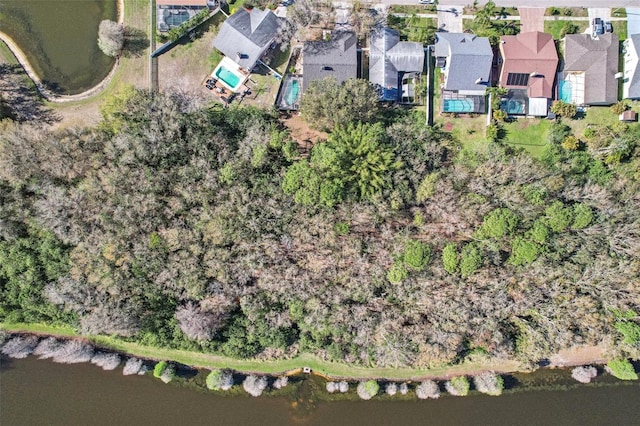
(457, 105)
(512, 106)
(564, 87)
(228, 77)
(293, 90)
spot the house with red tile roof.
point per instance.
(529, 66)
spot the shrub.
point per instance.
(622, 369)
(619, 107)
(500, 115)
(426, 188)
(564, 109)
(498, 223)
(583, 216)
(570, 143)
(343, 387)
(450, 258)
(255, 385)
(539, 232)
(342, 228)
(367, 390)
(584, 374)
(417, 254)
(428, 389)
(568, 28)
(470, 259)
(630, 331)
(558, 217)
(523, 251)
(220, 380)
(331, 387)
(397, 273)
(159, 369)
(489, 383)
(458, 386)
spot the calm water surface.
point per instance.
(36, 392)
(59, 38)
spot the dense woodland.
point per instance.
(386, 245)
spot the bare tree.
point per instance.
(428, 389)
(255, 385)
(110, 37)
(20, 347)
(108, 361)
(132, 366)
(584, 374)
(198, 324)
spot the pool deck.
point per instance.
(221, 91)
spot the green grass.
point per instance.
(620, 28)
(6, 56)
(555, 27)
(529, 134)
(330, 369)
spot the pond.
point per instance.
(59, 38)
(42, 392)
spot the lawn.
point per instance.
(529, 134)
(555, 27)
(620, 28)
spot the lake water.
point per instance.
(59, 38)
(40, 392)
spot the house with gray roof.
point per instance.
(631, 81)
(246, 35)
(465, 60)
(391, 62)
(590, 69)
(335, 58)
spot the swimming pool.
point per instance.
(512, 106)
(227, 77)
(228, 73)
(292, 93)
(564, 89)
(457, 105)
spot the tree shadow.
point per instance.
(22, 98)
(135, 42)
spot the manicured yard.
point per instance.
(555, 27)
(528, 133)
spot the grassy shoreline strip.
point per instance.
(325, 368)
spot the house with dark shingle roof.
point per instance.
(465, 60)
(591, 65)
(631, 82)
(335, 58)
(246, 35)
(529, 66)
(390, 60)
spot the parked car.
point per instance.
(608, 28)
(598, 27)
(426, 1)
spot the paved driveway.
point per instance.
(450, 18)
(633, 21)
(531, 19)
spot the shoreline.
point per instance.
(37, 81)
(329, 370)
